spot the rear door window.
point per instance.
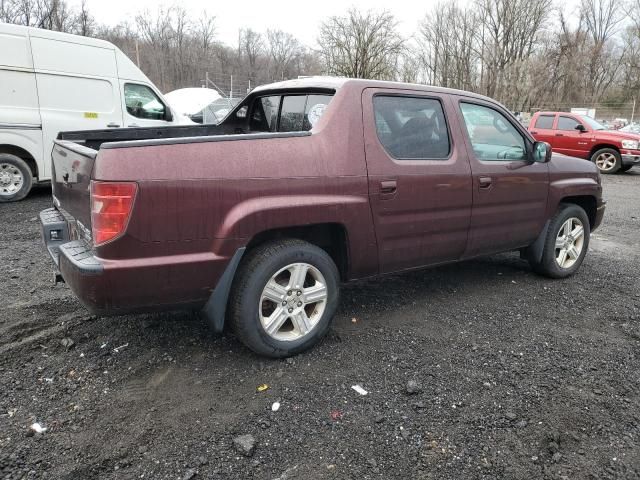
(264, 116)
(411, 128)
(544, 122)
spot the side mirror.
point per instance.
(242, 113)
(168, 115)
(581, 128)
(541, 152)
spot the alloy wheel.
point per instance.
(293, 301)
(569, 243)
(11, 179)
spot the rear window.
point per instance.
(411, 127)
(545, 121)
(287, 113)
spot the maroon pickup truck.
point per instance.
(256, 221)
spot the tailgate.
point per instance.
(71, 181)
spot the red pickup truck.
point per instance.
(583, 137)
(306, 184)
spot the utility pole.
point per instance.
(633, 110)
(137, 54)
(231, 89)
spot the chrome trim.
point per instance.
(20, 126)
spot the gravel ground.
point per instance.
(476, 370)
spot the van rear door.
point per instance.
(77, 86)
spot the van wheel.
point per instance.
(566, 243)
(15, 178)
(607, 160)
(284, 297)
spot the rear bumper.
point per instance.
(109, 287)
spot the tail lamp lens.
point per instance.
(111, 205)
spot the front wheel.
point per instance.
(607, 160)
(284, 297)
(566, 243)
(15, 178)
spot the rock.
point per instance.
(521, 424)
(556, 457)
(67, 343)
(510, 416)
(379, 419)
(553, 447)
(189, 474)
(245, 444)
(413, 387)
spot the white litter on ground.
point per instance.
(359, 389)
(275, 407)
(36, 427)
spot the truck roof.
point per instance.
(335, 83)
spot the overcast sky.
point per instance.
(300, 18)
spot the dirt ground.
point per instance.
(516, 376)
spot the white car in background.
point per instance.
(52, 82)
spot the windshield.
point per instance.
(593, 124)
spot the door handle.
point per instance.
(133, 125)
(534, 132)
(559, 134)
(112, 125)
(485, 182)
(388, 187)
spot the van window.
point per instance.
(545, 122)
(82, 94)
(142, 102)
(411, 127)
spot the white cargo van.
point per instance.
(52, 82)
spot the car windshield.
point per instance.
(593, 124)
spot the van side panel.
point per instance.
(15, 51)
(67, 57)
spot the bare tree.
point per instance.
(283, 50)
(361, 45)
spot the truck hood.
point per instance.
(615, 135)
(566, 166)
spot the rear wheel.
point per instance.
(15, 178)
(607, 160)
(284, 297)
(566, 243)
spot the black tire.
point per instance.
(256, 269)
(626, 168)
(7, 160)
(548, 266)
(608, 151)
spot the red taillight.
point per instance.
(111, 204)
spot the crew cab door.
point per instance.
(419, 178)
(509, 191)
(568, 140)
(542, 127)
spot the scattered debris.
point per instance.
(286, 474)
(275, 407)
(104, 344)
(36, 427)
(413, 387)
(67, 343)
(245, 444)
(189, 474)
(121, 347)
(48, 380)
(11, 412)
(510, 416)
(335, 415)
(359, 389)
(263, 387)
(354, 320)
